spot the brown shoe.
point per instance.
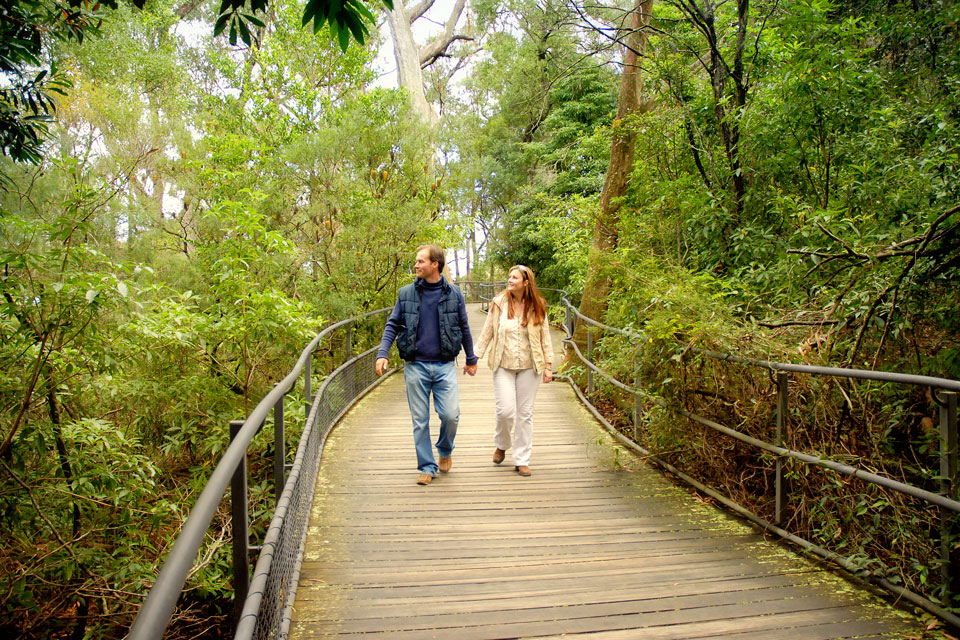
(498, 456)
(424, 478)
(445, 464)
(523, 470)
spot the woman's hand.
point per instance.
(547, 374)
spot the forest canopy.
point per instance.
(182, 211)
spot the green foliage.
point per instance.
(27, 29)
(536, 160)
(801, 205)
(198, 215)
(346, 20)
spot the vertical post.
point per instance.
(637, 407)
(307, 398)
(782, 397)
(636, 416)
(590, 359)
(349, 342)
(567, 324)
(279, 447)
(241, 534)
(948, 480)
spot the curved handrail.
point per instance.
(945, 384)
(836, 372)
(157, 609)
(883, 481)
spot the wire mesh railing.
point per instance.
(944, 391)
(264, 604)
(268, 607)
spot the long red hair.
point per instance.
(534, 306)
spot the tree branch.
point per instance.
(36, 506)
(433, 50)
(896, 285)
(187, 8)
(797, 323)
(434, 56)
(419, 10)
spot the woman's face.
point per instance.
(515, 281)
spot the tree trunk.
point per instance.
(605, 230)
(407, 54)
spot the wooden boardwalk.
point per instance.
(594, 544)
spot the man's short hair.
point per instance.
(435, 253)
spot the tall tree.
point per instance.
(605, 230)
(412, 58)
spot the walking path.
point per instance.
(595, 543)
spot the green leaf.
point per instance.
(318, 23)
(356, 28)
(221, 24)
(244, 31)
(252, 19)
(359, 9)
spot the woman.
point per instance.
(518, 336)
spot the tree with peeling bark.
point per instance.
(413, 58)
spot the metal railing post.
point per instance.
(279, 448)
(636, 416)
(637, 407)
(589, 358)
(948, 483)
(566, 319)
(307, 399)
(349, 343)
(240, 526)
(782, 397)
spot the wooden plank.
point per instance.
(595, 543)
(578, 617)
(521, 584)
(670, 596)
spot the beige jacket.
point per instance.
(493, 331)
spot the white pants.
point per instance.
(515, 392)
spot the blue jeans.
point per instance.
(422, 378)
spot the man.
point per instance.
(429, 324)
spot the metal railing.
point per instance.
(948, 451)
(264, 604)
(945, 499)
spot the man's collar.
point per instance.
(420, 282)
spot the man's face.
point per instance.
(423, 267)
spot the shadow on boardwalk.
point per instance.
(594, 543)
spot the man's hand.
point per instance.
(381, 366)
(547, 375)
(470, 368)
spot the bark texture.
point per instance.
(412, 58)
(407, 54)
